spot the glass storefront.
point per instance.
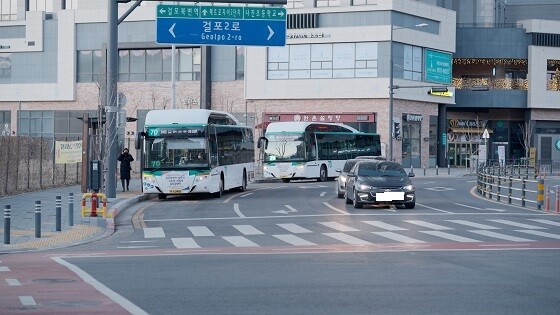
(411, 140)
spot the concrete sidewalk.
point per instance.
(22, 236)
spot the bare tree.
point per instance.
(527, 130)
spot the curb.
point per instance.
(114, 211)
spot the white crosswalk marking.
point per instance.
(294, 240)
(517, 224)
(549, 222)
(474, 225)
(4, 268)
(27, 300)
(240, 241)
(13, 282)
(200, 231)
(385, 226)
(248, 230)
(398, 237)
(153, 232)
(501, 236)
(348, 239)
(540, 233)
(428, 225)
(185, 242)
(294, 228)
(339, 227)
(450, 236)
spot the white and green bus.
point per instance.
(188, 151)
(302, 150)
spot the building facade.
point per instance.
(338, 59)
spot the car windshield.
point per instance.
(348, 166)
(389, 169)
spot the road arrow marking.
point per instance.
(271, 32)
(171, 30)
(290, 208)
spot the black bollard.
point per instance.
(7, 219)
(448, 169)
(38, 219)
(71, 209)
(58, 211)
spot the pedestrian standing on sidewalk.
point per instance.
(125, 159)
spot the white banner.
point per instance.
(67, 152)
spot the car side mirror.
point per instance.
(337, 170)
(351, 175)
(411, 174)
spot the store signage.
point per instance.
(307, 35)
(466, 123)
(441, 93)
(412, 117)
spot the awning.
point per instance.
(470, 130)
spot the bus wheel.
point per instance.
(220, 192)
(243, 186)
(323, 174)
(162, 196)
(285, 180)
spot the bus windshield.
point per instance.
(176, 153)
(285, 147)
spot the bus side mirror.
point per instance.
(138, 142)
(263, 142)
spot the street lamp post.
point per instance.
(392, 87)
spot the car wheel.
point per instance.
(323, 174)
(285, 180)
(162, 196)
(340, 195)
(357, 204)
(410, 205)
(346, 199)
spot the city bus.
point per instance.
(302, 150)
(189, 151)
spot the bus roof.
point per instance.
(192, 116)
(300, 126)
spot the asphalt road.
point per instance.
(296, 248)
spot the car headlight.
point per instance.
(364, 187)
(343, 179)
(408, 187)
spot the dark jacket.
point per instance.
(125, 159)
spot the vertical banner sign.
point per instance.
(67, 152)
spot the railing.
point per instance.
(489, 24)
(519, 183)
(491, 83)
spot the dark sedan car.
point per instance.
(379, 182)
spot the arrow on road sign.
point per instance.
(172, 31)
(271, 32)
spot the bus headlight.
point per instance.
(200, 178)
(149, 178)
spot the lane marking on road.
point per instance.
(4, 268)
(323, 194)
(155, 232)
(138, 217)
(540, 233)
(294, 228)
(348, 239)
(245, 195)
(200, 231)
(13, 282)
(440, 188)
(137, 247)
(428, 225)
(248, 230)
(399, 238)
(385, 226)
(339, 227)
(114, 296)
(294, 240)
(184, 242)
(500, 236)
(549, 222)
(435, 209)
(236, 209)
(27, 300)
(517, 224)
(334, 208)
(239, 241)
(452, 237)
(135, 242)
(474, 225)
(476, 208)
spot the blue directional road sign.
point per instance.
(221, 25)
(438, 66)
